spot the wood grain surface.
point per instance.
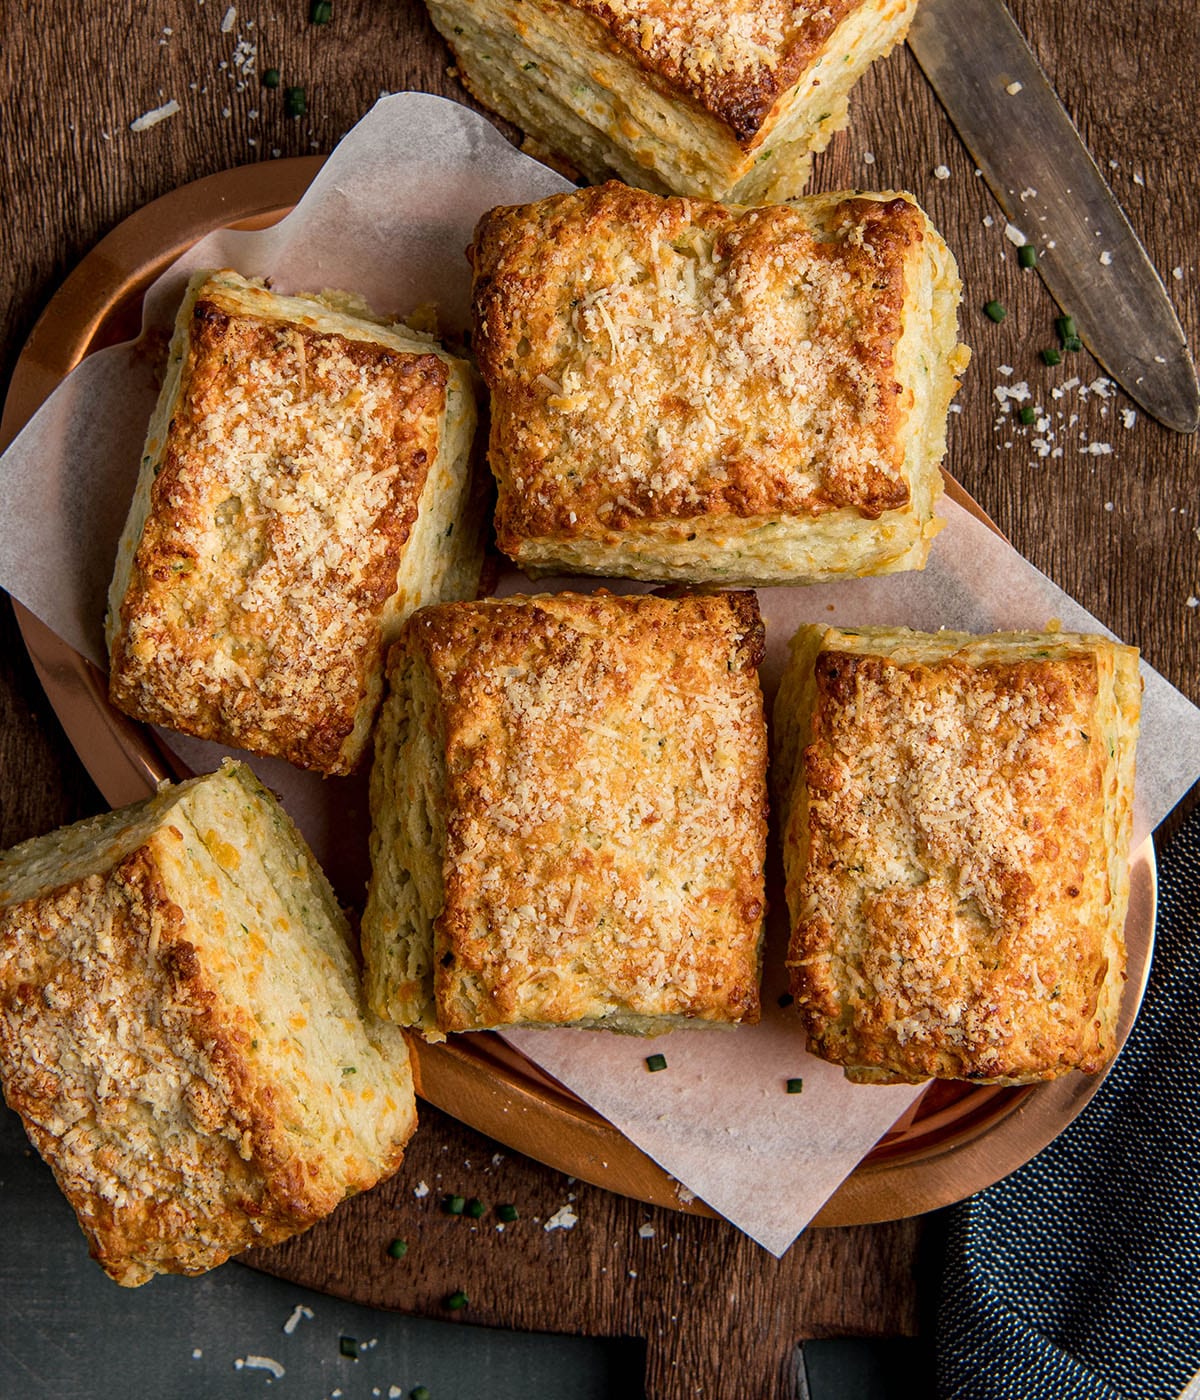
(1117, 529)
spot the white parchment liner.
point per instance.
(389, 216)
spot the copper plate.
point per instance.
(956, 1138)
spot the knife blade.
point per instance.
(1036, 165)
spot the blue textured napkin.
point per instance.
(1078, 1277)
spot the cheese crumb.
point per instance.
(1013, 88)
(1014, 235)
(421, 1190)
(1177, 273)
(293, 1322)
(941, 172)
(1106, 259)
(1128, 417)
(564, 1218)
(230, 20)
(260, 1363)
(646, 1232)
(154, 116)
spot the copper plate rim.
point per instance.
(918, 1166)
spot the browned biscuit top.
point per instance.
(605, 807)
(294, 463)
(735, 58)
(660, 359)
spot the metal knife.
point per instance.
(1033, 159)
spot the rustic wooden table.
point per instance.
(1107, 506)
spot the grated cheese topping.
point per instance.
(656, 360)
(604, 808)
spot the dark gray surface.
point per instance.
(67, 1331)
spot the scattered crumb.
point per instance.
(988, 221)
(1013, 88)
(1005, 370)
(1014, 235)
(298, 1312)
(1137, 180)
(1106, 259)
(646, 1232)
(394, 1392)
(868, 157)
(260, 1363)
(684, 1196)
(421, 1190)
(941, 172)
(564, 1218)
(1193, 601)
(1177, 273)
(230, 20)
(1128, 417)
(633, 1273)
(196, 1353)
(1099, 449)
(154, 116)
(1108, 506)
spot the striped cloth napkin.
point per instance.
(1078, 1276)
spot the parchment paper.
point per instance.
(389, 217)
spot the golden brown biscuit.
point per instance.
(183, 1033)
(694, 391)
(725, 99)
(956, 819)
(569, 815)
(306, 483)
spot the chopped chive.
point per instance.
(454, 1205)
(1027, 415)
(995, 311)
(1072, 343)
(1065, 326)
(295, 102)
(655, 1063)
(508, 1213)
(349, 1069)
(348, 1346)
(419, 1392)
(475, 1208)
(457, 1299)
(1027, 255)
(1051, 356)
(786, 999)
(795, 1086)
(398, 1249)
(321, 12)
(270, 79)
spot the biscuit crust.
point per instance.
(277, 510)
(602, 807)
(183, 1033)
(700, 391)
(734, 58)
(956, 826)
(728, 100)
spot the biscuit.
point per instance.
(182, 1029)
(724, 100)
(956, 813)
(569, 816)
(693, 391)
(306, 484)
